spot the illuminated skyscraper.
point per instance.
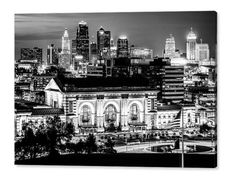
(64, 56)
(103, 39)
(191, 45)
(122, 46)
(65, 42)
(170, 47)
(83, 41)
(93, 52)
(113, 49)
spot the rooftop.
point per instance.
(100, 83)
(35, 108)
(47, 111)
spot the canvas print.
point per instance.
(116, 89)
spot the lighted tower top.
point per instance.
(66, 34)
(123, 37)
(191, 35)
(82, 23)
(101, 30)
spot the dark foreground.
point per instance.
(141, 160)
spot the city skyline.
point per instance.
(145, 85)
(41, 30)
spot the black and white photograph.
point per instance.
(116, 89)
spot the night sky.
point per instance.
(142, 29)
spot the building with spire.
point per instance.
(65, 55)
(65, 42)
(191, 45)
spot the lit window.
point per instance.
(85, 114)
(134, 112)
(110, 113)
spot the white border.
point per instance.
(226, 50)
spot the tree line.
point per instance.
(53, 138)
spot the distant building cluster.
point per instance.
(101, 83)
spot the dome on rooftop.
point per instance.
(191, 34)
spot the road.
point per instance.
(143, 147)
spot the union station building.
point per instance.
(96, 104)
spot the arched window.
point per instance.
(85, 113)
(134, 112)
(110, 113)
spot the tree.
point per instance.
(204, 128)
(109, 146)
(45, 137)
(58, 132)
(27, 146)
(80, 146)
(109, 143)
(91, 144)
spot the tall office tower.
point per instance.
(122, 46)
(52, 55)
(191, 45)
(65, 42)
(172, 83)
(83, 41)
(103, 41)
(31, 54)
(93, 52)
(170, 47)
(202, 52)
(65, 55)
(113, 49)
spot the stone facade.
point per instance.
(98, 110)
